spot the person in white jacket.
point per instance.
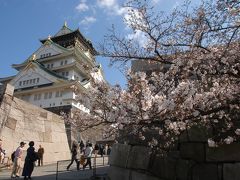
(18, 155)
(88, 156)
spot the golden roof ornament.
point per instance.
(33, 57)
(48, 42)
(65, 24)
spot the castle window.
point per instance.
(37, 80)
(60, 103)
(48, 66)
(65, 62)
(61, 63)
(20, 83)
(27, 81)
(34, 81)
(39, 96)
(50, 105)
(45, 55)
(30, 81)
(50, 95)
(45, 95)
(53, 104)
(66, 73)
(58, 94)
(51, 65)
(24, 82)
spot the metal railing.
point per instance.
(97, 162)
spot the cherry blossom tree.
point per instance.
(197, 83)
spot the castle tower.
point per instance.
(51, 77)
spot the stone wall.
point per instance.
(21, 121)
(193, 160)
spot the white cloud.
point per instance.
(107, 3)
(88, 20)
(82, 7)
(111, 6)
(138, 36)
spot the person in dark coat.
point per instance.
(74, 156)
(101, 149)
(40, 155)
(81, 146)
(29, 161)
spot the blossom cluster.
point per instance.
(197, 83)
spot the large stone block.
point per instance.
(119, 155)
(49, 116)
(9, 90)
(48, 126)
(47, 137)
(183, 169)
(11, 123)
(193, 151)
(163, 167)
(227, 152)
(141, 176)
(7, 101)
(58, 127)
(231, 171)
(116, 173)
(17, 114)
(57, 119)
(139, 157)
(43, 114)
(205, 172)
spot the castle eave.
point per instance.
(6, 79)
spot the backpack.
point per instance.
(34, 157)
(13, 156)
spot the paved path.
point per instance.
(48, 172)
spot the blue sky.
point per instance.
(23, 23)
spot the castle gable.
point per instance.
(48, 49)
(34, 75)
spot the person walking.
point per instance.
(81, 146)
(109, 150)
(88, 156)
(96, 149)
(29, 161)
(18, 154)
(40, 155)
(74, 155)
(101, 149)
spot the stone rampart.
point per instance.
(193, 160)
(21, 121)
